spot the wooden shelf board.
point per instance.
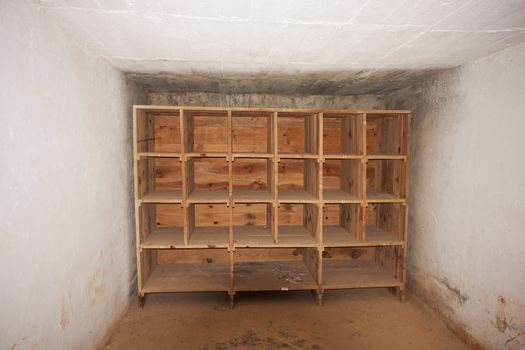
(252, 155)
(342, 156)
(208, 196)
(292, 155)
(210, 237)
(252, 236)
(295, 236)
(206, 155)
(375, 234)
(158, 155)
(252, 196)
(165, 238)
(339, 274)
(275, 275)
(385, 156)
(169, 196)
(337, 236)
(269, 110)
(188, 278)
(382, 197)
(339, 196)
(295, 196)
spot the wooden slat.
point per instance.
(165, 238)
(356, 274)
(252, 196)
(167, 196)
(196, 277)
(208, 196)
(296, 196)
(286, 275)
(210, 237)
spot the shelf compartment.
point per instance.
(253, 180)
(161, 226)
(342, 224)
(298, 133)
(342, 180)
(207, 180)
(253, 225)
(208, 225)
(159, 180)
(206, 131)
(386, 134)
(298, 181)
(342, 134)
(385, 223)
(264, 269)
(252, 132)
(385, 180)
(298, 225)
(186, 270)
(158, 132)
(364, 267)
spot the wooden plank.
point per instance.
(196, 277)
(165, 196)
(208, 196)
(295, 236)
(339, 196)
(165, 238)
(341, 274)
(210, 237)
(253, 236)
(252, 196)
(295, 196)
(293, 111)
(142, 155)
(275, 275)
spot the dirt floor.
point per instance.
(351, 319)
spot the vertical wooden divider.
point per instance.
(231, 204)
(182, 159)
(364, 165)
(320, 235)
(403, 255)
(138, 249)
(275, 175)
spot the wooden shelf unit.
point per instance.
(253, 199)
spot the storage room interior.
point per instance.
(251, 174)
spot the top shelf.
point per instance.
(171, 109)
(192, 132)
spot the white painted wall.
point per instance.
(66, 227)
(467, 193)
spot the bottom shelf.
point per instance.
(276, 275)
(339, 274)
(195, 277)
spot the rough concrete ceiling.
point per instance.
(294, 46)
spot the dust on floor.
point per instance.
(350, 319)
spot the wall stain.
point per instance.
(96, 285)
(462, 298)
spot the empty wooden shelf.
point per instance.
(256, 199)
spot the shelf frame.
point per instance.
(154, 241)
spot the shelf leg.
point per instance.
(141, 301)
(232, 301)
(318, 296)
(400, 292)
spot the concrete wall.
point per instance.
(467, 194)
(263, 100)
(66, 228)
